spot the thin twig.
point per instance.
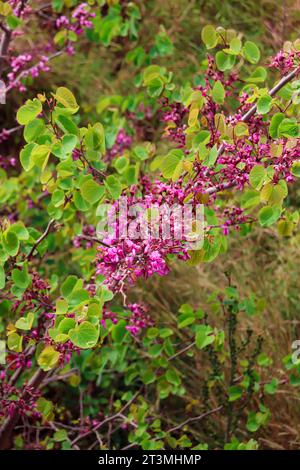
(182, 351)
(195, 418)
(41, 238)
(106, 420)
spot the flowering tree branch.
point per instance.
(10, 422)
(4, 44)
(284, 80)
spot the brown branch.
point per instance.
(25, 72)
(9, 424)
(286, 79)
(182, 351)
(93, 239)
(7, 36)
(195, 418)
(41, 238)
(4, 45)
(106, 420)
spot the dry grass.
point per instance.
(261, 264)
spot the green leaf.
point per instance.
(251, 52)
(119, 331)
(60, 435)
(296, 169)
(209, 36)
(66, 98)
(250, 199)
(25, 156)
(14, 342)
(40, 156)
(218, 92)
(274, 193)
(61, 306)
(91, 191)
(114, 186)
(33, 130)
(77, 297)
(20, 230)
(141, 152)
(274, 124)
(2, 277)
(264, 360)
(241, 129)
(80, 203)
(21, 277)
(204, 336)
(258, 76)
(85, 335)
(173, 377)
(45, 407)
(224, 61)
(66, 325)
(163, 44)
(155, 87)
(186, 319)
(10, 243)
(235, 46)
(271, 387)
(29, 111)
(170, 162)
(68, 286)
(13, 21)
(264, 104)
(202, 138)
(25, 323)
(288, 128)
(121, 164)
(234, 393)
(212, 156)
(257, 176)
(66, 125)
(268, 215)
(69, 142)
(58, 197)
(94, 140)
(48, 358)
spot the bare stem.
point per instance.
(41, 238)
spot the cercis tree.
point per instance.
(226, 141)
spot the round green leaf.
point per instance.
(29, 111)
(224, 61)
(269, 215)
(251, 52)
(85, 335)
(91, 191)
(209, 36)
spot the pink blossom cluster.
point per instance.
(20, 68)
(21, 9)
(139, 319)
(173, 115)
(286, 61)
(80, 19)
(123, 142)
(142, 252)
(7, 162)
(83, 240)
(234, 217)
(11, 398)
